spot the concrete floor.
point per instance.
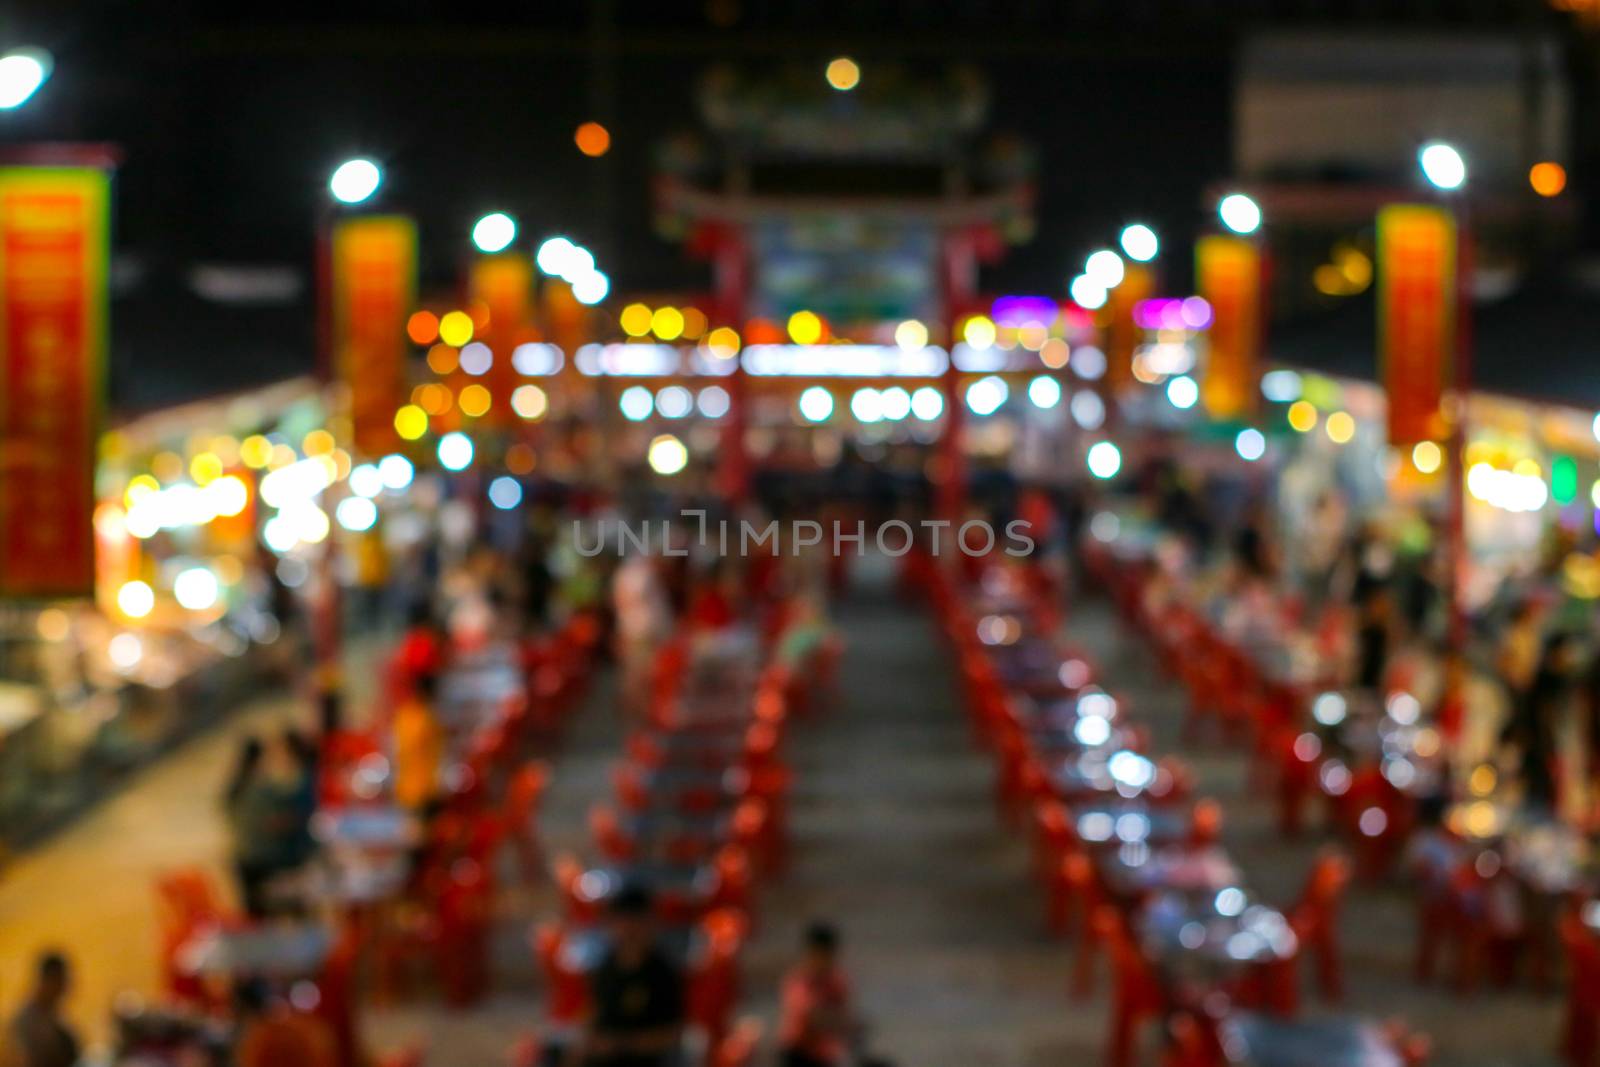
(895, 839)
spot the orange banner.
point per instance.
(374, 290)
(1228, 275)
(1122, 333)
(53, 253)
(1416, 317)
(505, 285)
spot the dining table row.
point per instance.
(1130, 861)
(696, 823)
(1506, 889)
(396, 898)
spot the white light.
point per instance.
(986, 395)
(713, 402)
(1595, 427)
(355, 181)
(397, 471)
(1087, 293)
(505, 492)
(279, 534)
(308, 522)
(911, 336)
(1183, 392)
(536, 359)
(366, 480)
(136, 599)
(674, 402)
(301, 480)
(896, 403)
(927, 403)
(867, 405)
(1442, 165)
(455, 451)
(1092, 732)
(356, 513)
(1250, 445)
(1280, 386)
(1105, 459)
(1239, 213)
(590, 287)
(636, 403)
(1106, 268)
(1088, 363)
(667, 455)
(21, 74)
(196, 588)
(1088, 410)
(1044, 391)
(816, 404)
(1329, 709)
(1140, 242)
(125, 650)
(494, 232)
(476, 358)
(553, 255)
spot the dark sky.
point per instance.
(229, 121)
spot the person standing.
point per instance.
(39, 1036)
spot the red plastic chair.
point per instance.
(1581, 1026)
(1136, 995)
(739, 1048)
(1315, 920)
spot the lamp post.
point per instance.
(1445, 169)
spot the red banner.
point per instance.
(1416, 317)
(505, 285)
(374, 290)
(53, 254)
(1228, 275)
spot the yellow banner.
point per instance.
(374, 290)
(1228, 275)
(1416, 317)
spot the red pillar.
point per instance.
(958, 284)
(731, 264)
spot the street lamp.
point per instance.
(1106, 268)
(22, 71)
(1442, 165)
(1139, 242)
(494, 232)
(1240, 213)
(355, 181)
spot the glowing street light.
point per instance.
(1140, 243)
(1106, 268)
(1239, 213)
(1087, 293)
(843, 74)
(1442, 165)
(22, 71)
(494, 232)
(355, 181)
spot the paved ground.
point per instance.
(895, 839)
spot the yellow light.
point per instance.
(1427, 456)
(529, 402)
(724, 342)
(667, 455)
(694, 323)
(455, 329)
(53, 624)
(805, 328)
(135, 599)
(168, 466)
(318, 443)
(844, 74)
(1547, 178)
(1302, 416)
(433, 398)
(256, 451)
(979, 332)
(1055, 353)
(442, 359)
(1483, 780)
(1341, 427)
(1032, 336)
(911, 336)
(411, 422)
(474, 400)
(282, 456)
(1356, 266)
(1594, 493)
(1527, 468)
(139, 487)
(226, 448)
(635, 320)
(667, 323)
(205, 468)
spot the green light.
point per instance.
(1564, 479)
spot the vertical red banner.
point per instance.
(505, 285)
(54, 246)
(1416, 317)
(1122, 333)
(374, 290)
(1228, 275)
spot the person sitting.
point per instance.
(272, 1034)
(636, 995)
(38, 1035)
(817, 1027)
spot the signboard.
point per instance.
(374, 290)
(505, 286)
(54, 245)
(1228, 275)
(1416, 317)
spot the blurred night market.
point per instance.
(1026, 533)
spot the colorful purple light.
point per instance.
(1018, 311)
(1172, 313)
